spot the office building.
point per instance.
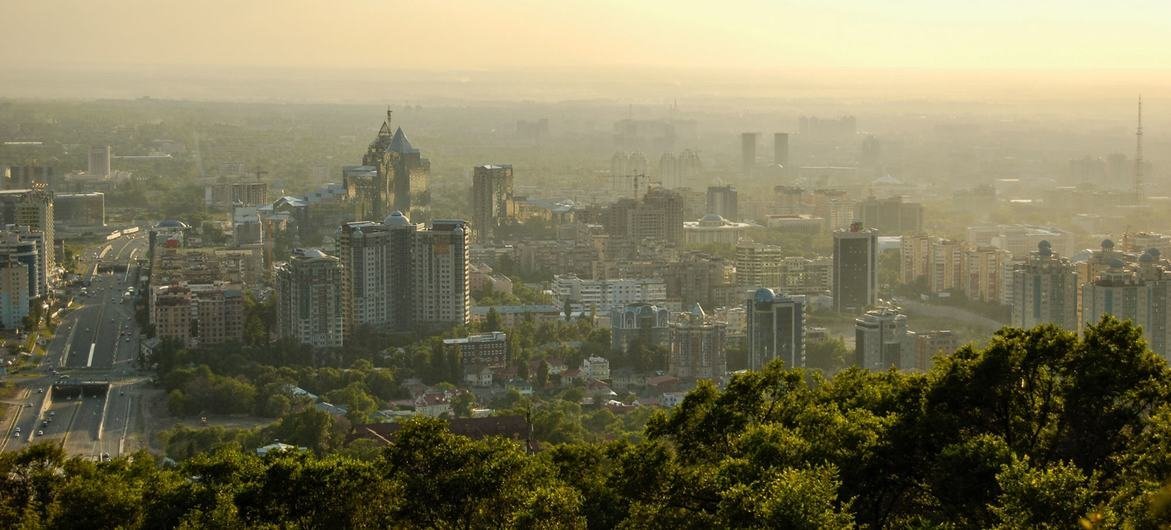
(638, 322)
(925, 345)
(393, 177)
(14, 292)
(781, 149)
(747, 153)
(492, 200)
(440, 267)
(776, 329)
(34, 209)
(1044, 291)
(28, 177)
(721, 200)
(309, 299)
(697, 346)
(881, 341)
(99, 161)
(1021, 240)
(855, 269)
(890, 216)
(80, 209)
(486, 350)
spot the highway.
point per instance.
(96, 340)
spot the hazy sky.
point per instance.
(474, 34)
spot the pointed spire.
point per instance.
(385, 130)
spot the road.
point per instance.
(96, 341)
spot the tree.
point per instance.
(462, 404)
(492, 320)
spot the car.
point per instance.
(52, 413)
(16, 435)
(40, 390)
(18, 428)
(40, 433)
(127, 339)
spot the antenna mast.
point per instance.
(1138, 155)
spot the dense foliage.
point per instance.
(1039, 429)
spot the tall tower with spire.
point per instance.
(1138, 155)
(401, 181)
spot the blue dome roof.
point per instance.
(764, 295)
(1107, 244)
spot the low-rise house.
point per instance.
(480, 376)
(596, 367)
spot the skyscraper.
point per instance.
(776, 329)
(747, 153)
(34, 209)
(376, 282)
(881, 341)
(309, 302)
(492, 201)
(401, 180)
(99, 161)
(1044, 290)
(855, 281)
(781, 149)
(441, 266)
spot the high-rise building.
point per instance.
(99, 161)
(643, 322)
(855, 269)
(1138, 293)
(781, 149)
(721, 200)
(28, 177)
(80, 209)
(698, 278)
(880, 340)
(776, 329)
(747, 153)
(18, 245)
(697, 346)
(198, 314)
(376, 286)
(984, 274)
(492, 200)
(34, 209)
(758, 265)
(659, 216)
(925, 345)
(440, 275)
(14, 292)
(1045, 290)
(400, 176)
(891, 216)
(309, 301)
(249, 193)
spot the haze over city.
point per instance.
(569, 264)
